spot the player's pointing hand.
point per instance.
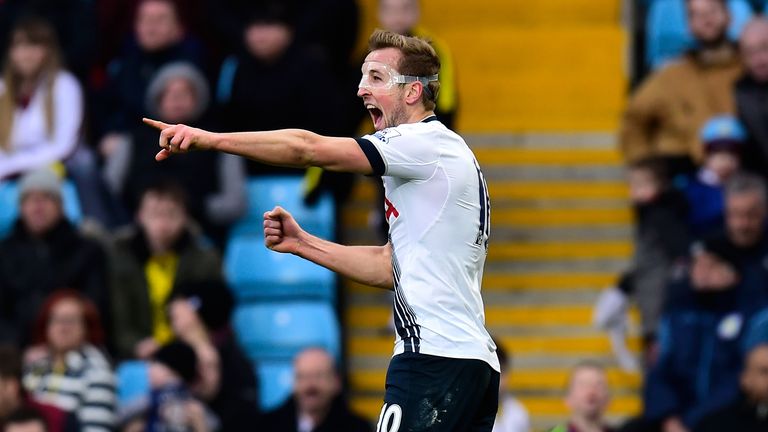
(179, 138)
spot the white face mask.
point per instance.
(377, 75)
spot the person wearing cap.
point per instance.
(199, 313)
(722, 139)
(179, 93)
(44, 252)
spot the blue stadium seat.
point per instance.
(667, 34)
(257, 273)
(132, 382)
(279, 330)
(9, 204)
(265, 192)
(275, 382)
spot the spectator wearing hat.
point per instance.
(723, 139)
(147, 261)
(179, 93)
(45, 252)
(199, 313)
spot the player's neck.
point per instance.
(419, 115)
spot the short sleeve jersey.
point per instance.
(438, 209)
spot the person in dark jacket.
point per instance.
(147, 261)
(199, 313)
(752, 94)
(159, 38)
(316, 405)
(701, 341)
(45, 252)
(749, 412)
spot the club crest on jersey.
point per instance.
(385, 135)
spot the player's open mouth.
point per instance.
(376, 114)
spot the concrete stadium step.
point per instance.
(364, 191)
(512, 157)
(524, 281)
(546, 140)
(537, 217)
(590, 344)
(495, 316)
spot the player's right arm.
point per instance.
(295, 148)
(369, 265)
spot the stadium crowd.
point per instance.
(141, 278)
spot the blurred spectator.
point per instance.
(200, 316)
(587, 398)
(701, 341)
(73, 20)
(669, 108)
(722, 138)
(661, 238)
(14, 398)
(45, 252)
(172, 370)
(611, 315)
(745, 241)
(752, 94)
(749, 412)
(317, 404)
(512, 415)
(148, 261)
(41, 104)
(179, 93)
(159, 38)
(402, 17)
(266, 87)
(25, 420)
(66, 367)
(229, 18)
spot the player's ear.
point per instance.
(415, 90)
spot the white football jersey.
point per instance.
(438, 210)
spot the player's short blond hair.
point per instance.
(418, 59)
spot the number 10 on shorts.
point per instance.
(389, 419)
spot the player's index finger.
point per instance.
(157, 124)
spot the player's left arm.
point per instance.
(369, 265)
(295, 148)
